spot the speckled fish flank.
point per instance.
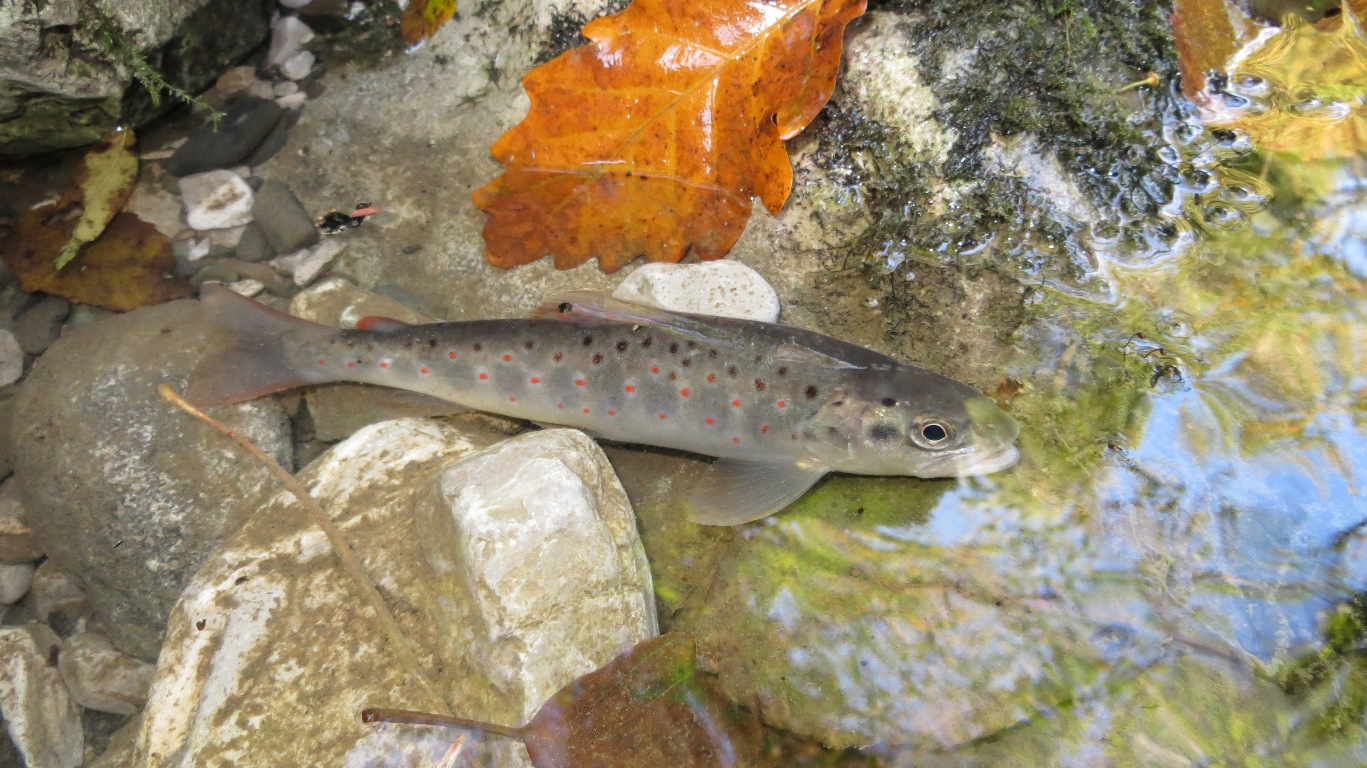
(778, 406)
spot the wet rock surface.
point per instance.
(505, 595)
(244, 126)
(43, 721)
(102, 678)
(128, 518)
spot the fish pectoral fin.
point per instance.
(735, 491)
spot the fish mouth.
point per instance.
(992, 462)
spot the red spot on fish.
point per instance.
(630, 387)
(735, 439)
(711, 377)
(351, 363)
(612, 412)
(424, 371)
(507, 358)
(654, 369)
(484, 377)
(579, 382)
(559, 405)
(735, 403)
(764, 429)
(710, 420)
(558, 357)
(586, 410)
(663, 417)
(384, 363)
(683, 392)
(535, 380)
(451, 355)
(322, 361)
(512, 398)
(783, 403)
(794, 435)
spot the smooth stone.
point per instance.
(294, 4)
(272, 621)
(283, 219)
(54, 592)
(223, 240)
(285, 88)
(126, 493)
(157, 206)
(235, 80)
(335, 301)
(288, 35)
(36, 328)
(253, 245)
(305, 264)
(275, 140)
(43, 720)
(247, 287)
(101, 677)
(17, 542)
(298, 66)
(11, 358)
(15, 581)
(214, 273)
(243, 127)
(292, 101)
(85, 314)
(216, 200)
(261, 89)
(721, 288)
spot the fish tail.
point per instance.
(253, 358)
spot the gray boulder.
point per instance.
(63, 84)
(123, 491)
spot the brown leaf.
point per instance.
(653, 139)
(422, 18)
(125, 268)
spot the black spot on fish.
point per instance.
(647, 341)
(783, 370)
(350, 343)
(529, 343)
(597, 359)
(673, 347)
(370, 347)
(732, 371)
(432, 343)
(691, 344)
(673, 375)
(588, 341)
(837, 403)
(759, 358)
(832, 431)
(810, 392)
(712, 354)
(882, 432)
(687, 361)
(889, 402)
(621, 346)
(759, 385)
(408, 344)
(478, 347)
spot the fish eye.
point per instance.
(932, 433)
(565, 307)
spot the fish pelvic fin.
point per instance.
(252, 357)
(736, 491)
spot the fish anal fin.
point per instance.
(735, 491)
(380, 324)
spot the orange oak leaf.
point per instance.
(653, 139)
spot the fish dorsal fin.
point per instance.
(380, 324)
(735, 491)
(593, 308)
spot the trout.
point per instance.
(778, 407)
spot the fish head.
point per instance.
(936, 427)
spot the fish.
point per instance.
(778, 407)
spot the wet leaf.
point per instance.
(422, 18)
(1207, 33)
(103, 184)
(126, 267)
(653, 139)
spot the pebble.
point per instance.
(253, 245)
(306, 264)
(216, 200)
(721, 288)
(38, 326)
(247, 287)
(15, 581)
(11, 358)
(193, 248)
(17, 543)
(43, 720)
(102, 678)
(283, 219)
(285, 88)
(235, 80)
(245, 124)
(214, 273)
(224, 240)
(298, 66)
(337, 302)
(288, 36)
(292, 101)
(294, 4)
(261, 89)
(56, 592)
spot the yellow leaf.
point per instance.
(103, 185)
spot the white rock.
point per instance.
(17, 544)
(43, 721)
(292, 101)
(335, 301)
(298, 66)
(261, 89)
(101, 677)
(15, 581)
(216, 200)
(199, 247)
(248, 287)
(723, 288)
(271, 630)
(288, 36)
(54, 591)
(306, 263)
(11, 358)
(294, 4)
(285, 88)
(226, 238)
